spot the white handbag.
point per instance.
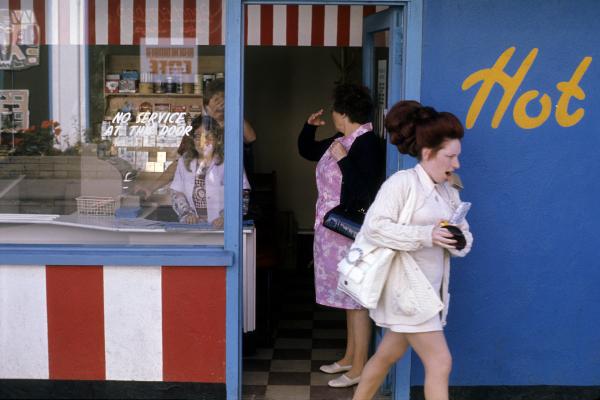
(363, 272)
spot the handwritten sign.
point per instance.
(170, 60)
(489, 77)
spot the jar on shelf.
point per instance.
(179, 85)
(170, 85)
(159, 86)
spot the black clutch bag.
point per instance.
(346, 222)
(457, 235)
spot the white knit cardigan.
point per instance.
(407, 298)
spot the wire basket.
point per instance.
(92, 205)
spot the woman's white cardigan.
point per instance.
(407, 297)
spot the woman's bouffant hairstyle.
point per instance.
(212, 129)
(412, 127)
(354, 101)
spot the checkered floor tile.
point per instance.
(306, 336)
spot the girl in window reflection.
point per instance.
(197, 190)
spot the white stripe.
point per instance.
(202, 20)
(304, 25)
(27, 16)
(126, 22)
(151, 22)
(133, 323)
(51, 22)
(331, 24)
(23, 322)
(356, 25)
(380, 8)
(279, 25)
(101, 22)
(176, 22)
(223, 21)
(26, 4)
(254, 25)
(74, 26)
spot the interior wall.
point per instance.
(34, 79)
(283, 86)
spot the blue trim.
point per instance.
(24, 254)
(234, 104)
(393, 21)
(414, 49)
(328, 2)
(404, 82)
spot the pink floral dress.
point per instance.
(331, 247)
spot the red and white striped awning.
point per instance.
(201, 22)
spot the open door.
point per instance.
(385, 73)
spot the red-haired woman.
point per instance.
(406, 216)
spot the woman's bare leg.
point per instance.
(391, 349)
(349, 355)
(361, 329)
(432, 349)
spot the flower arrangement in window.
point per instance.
(38, 140)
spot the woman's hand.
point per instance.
(442, 237)
(315, 118)
(216, 108)
(338, 151)
(190, 219)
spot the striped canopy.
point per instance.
(201, 22)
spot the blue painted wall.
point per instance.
(525, 303)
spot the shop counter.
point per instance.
(97, 320)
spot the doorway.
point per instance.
(282, 86)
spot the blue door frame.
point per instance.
(406, 85)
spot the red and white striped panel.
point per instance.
(112, 323)
(199, 22)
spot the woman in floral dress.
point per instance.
(349, 172)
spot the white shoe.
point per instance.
(335, 368)
(343, 381)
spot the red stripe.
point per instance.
(193, 324)
(368, 10)
(39, 8)
(214, 22)
(14, 4)
(114, 21)
(291, 36)
(318, 25)
(245, 25)
(164, 19)
(75, 322)
(139, 20)
(266, 24)
(91, 18)
(189, 19)
(343, 26)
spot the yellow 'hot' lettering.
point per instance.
(571, 89)
(520, 110)
(489, 77)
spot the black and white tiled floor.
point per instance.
(306, 335)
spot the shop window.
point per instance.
(113, 119)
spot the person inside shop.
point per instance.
(349, 172)
(197, 190)
(407, 216)
(213, 106)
